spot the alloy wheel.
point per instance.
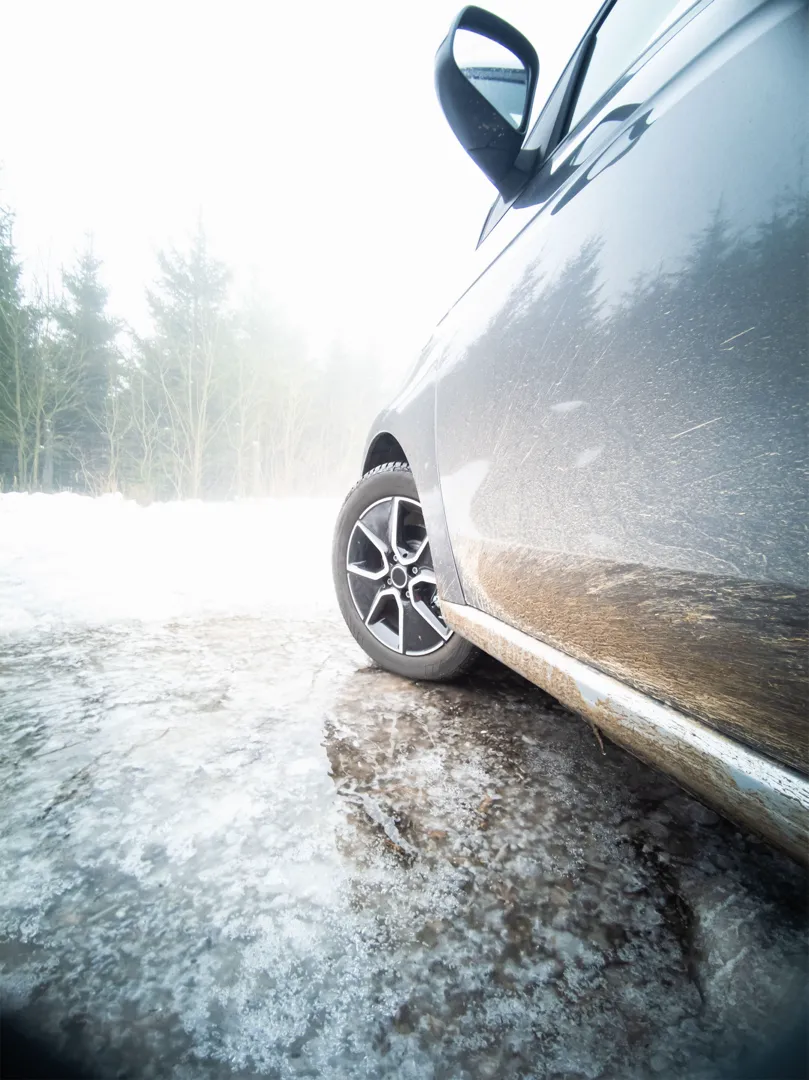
(391, 577)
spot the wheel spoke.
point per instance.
(381, 548)
(375, 604)
(414, 556)
(405, 557)
(378, 602)
(422, 608)
(363, 591)
(393, 525)
(420, 636)
(374, 575)
(377, 541)
(432, 620)
(425, 576)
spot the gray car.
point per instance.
(596, 471)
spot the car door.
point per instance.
(620, 412)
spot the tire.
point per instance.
(405, 635)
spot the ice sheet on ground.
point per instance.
(230, 847)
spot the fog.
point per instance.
(302, 151)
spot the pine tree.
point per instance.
(88, 358)
(185, 360)
(17, 359)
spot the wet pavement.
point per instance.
(229, 847)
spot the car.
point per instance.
(596, 470)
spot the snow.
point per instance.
(67, 559)
(230, 847)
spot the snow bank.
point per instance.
(67, 559)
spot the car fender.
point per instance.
(410, 420)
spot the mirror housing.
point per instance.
(487, 136)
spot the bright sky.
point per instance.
(307, 135)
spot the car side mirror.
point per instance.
(485, 76)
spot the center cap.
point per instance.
(398, 576)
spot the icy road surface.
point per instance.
(229, 847)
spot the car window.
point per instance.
(629, 28)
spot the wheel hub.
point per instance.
(398, 577)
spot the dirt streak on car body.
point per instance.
(697, 639)
(741, 783)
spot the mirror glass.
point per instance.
(495, 71)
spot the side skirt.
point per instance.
(746, 786)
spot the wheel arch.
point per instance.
(417, 450)
(383, 449)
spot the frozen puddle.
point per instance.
(228, 847)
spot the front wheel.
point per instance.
(385, 581)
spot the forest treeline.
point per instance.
(219, 400)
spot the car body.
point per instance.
(607, 430)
